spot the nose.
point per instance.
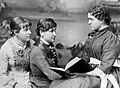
(29, 32)
(89, 22)
(54, 33)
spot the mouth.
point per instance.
(53, 38)
(91, 27)
(28, 36)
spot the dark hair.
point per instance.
(45, 24)
(101, 13)
(15, 24)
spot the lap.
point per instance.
(77, 82)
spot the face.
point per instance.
(49, 35)
(94, 22)
(24, 33)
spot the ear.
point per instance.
(102, 22)
(42, 33)
(15, 32)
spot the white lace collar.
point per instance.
(43, 41)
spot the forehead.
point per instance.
(90, 16)
(52, 29)
(24, 23)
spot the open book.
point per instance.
(76, 65)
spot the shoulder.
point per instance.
(110, 36)
(6, 48)
(6, 45)
(37, 49)
(109, 33)
(111, 39)
(37, 53)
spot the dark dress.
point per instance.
(40, 62)
(104, 46)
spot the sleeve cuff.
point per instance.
(97, 72)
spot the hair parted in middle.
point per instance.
(15, 24)
(101, 13)
(45, 24)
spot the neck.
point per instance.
(19, 42)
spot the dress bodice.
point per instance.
(95, 42)
(20, 59)
(51, 54)
(15, 64)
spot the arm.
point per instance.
(110, 52)
(4, 76)
(41, 62)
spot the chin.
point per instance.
(93, 29)
(28, 39)
(53, 40)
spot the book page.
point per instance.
(72, 62)
(94, 61)
(56, 68)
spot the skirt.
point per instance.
(85, 81)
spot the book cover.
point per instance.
(76, 65)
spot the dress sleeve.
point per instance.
(111, 48)
(43, 65)
(4, 77)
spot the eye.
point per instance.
(23, 26)
(26, 27)
(89, 18)
(52, 30)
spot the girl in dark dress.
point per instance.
(102, 46)
(43, 54)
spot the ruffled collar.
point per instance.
(18, 43)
